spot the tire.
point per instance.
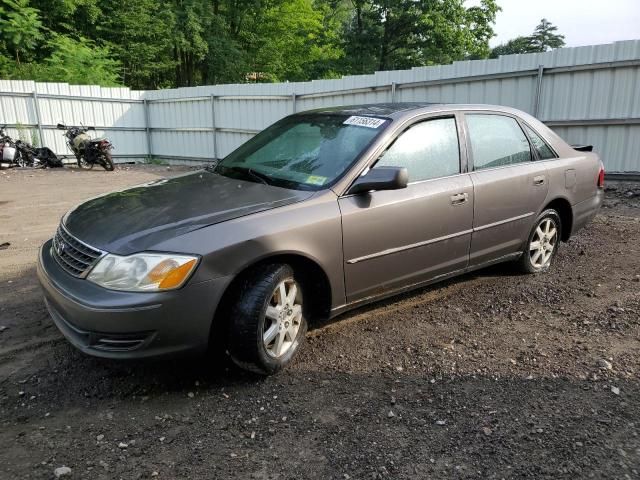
(542, 245)
(83, 164)
(20, 159)
(107, 162)
(267, 330)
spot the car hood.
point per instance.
(135, 219)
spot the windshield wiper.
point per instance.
(261, 177)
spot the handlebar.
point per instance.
(62, 126)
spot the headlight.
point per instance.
(143, 272)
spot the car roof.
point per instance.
(402, 110)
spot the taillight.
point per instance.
(601, 176)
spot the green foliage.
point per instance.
(173, 43)
(545, 38)
(149, 160)
(139, 34)
(79, 61)
(542, 39)
(516, 45)
(290, 39)
(23, 132)
(20, 27)
(392, 34)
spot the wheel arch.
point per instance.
(312, 276)
(563, 207)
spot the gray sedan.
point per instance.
(321, 212)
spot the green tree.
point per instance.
(190, 46)
(139, 34)
(20, 27)
(391, 34)
(545, 37)
(516, 45)
(290, 40)
(173, 43)
(542, 39)
(79, 61)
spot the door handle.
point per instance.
(539, 180)
(459, 198)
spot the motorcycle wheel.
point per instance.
(20, 160)
(107, 162)
(83, 164)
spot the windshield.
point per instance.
(305, 152)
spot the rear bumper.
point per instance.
(112, 324)
(584, 211)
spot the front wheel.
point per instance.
(21, 159)
(107, 162)
(268, 323)
(542, 244)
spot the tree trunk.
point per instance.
(384, 47)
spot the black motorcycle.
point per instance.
(36, 157)
(88, 151)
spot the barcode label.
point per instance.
(368, 122)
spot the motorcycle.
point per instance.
(23, 154)
(36, 157)
(88, 151)
(8, 147)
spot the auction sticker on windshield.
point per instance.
(316, 179)
(368, 122)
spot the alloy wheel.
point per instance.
(282, 318)
(543, 243)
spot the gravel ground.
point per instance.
(490, 375)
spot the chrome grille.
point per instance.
(72, 255)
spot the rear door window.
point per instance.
(429, 149)
(543, 150)
(496, 141)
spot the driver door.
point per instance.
(398, 238)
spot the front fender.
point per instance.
(311, 229)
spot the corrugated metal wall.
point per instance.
(34, 109)
(587, 94)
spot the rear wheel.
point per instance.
(82, 163)
(268, 323)
(543, 242)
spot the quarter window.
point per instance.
(543, 150)
(428, 150)
(496, 141)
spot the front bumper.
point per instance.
(113, 324)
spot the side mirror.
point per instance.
(381, 178)
(61, 126)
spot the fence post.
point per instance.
(536, 105)
(393, 92)
(293, 103)
(38, 118)
(213, 127)
(147, 128)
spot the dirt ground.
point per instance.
(491, 375)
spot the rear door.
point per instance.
(402, 237)
(509, 186)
